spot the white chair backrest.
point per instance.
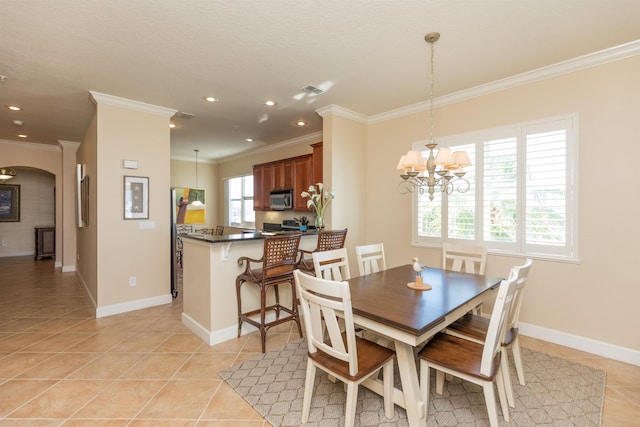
(323, 303)
(497, 324)
(332, 264)
(370, 258)
(520, 274)
(472, 258)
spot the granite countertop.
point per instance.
(240, 237)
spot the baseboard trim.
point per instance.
(68, 268)
(589, 345)
(14, 254)
(220, 335)
(110, 310)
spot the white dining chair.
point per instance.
(326, 306)
(332, 264)
(468, 258)
(475, 328)
(370, 258)
(472, 361)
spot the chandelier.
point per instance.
(443, 171)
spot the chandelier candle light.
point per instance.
(420, 174)
(319, 199)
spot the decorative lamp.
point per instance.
(422, 174)
(7, 173)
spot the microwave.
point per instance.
(281, 200)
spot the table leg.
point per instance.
(416, 412)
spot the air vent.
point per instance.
(184, 116)
(315, 90)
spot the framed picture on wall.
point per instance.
(136, 197)
(9, 203)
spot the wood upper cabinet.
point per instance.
(317, 162)
(296, 173)
(302, 175)
(283, 174)
(263, 179)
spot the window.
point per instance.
(239, 201)
(521, 197)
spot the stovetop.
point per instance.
(287, 225)
(290, 224)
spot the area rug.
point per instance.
(557, 393)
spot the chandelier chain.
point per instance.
(432, 91)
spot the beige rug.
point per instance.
(558, 393)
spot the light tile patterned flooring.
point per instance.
(59, 366)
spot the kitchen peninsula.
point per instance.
(210, 268)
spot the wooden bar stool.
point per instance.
(327, 240)
(278, 263)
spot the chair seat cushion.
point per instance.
(457, 354)
(371, 357)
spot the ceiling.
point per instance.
(369, 56)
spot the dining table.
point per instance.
(384, 304)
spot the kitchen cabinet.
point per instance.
(263, 181)
(293, 173)
(302, 176)
(283, 174)
(317, 162)
(45, 242)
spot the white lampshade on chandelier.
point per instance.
(443, 171)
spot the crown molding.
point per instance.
(336, 110)
(102, 98)
(69, 144)
(594, 59)
(309, 139)
(31, 145)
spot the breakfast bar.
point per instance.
(210, 269)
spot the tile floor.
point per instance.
(59, 366)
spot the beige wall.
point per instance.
(589, 299)
(344, 171)
(125, 248)
(86, 237)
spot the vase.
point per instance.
(319, 223)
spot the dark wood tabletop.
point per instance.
(385, 297)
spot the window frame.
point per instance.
(567, 252)
(228, 200)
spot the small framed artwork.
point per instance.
(136, 197)
(9, 203)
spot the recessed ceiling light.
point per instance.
(249, 139)
(301, 123)
(172, 125)
(14, 108)
(270, 103)
(211, 99)
(22, 135)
